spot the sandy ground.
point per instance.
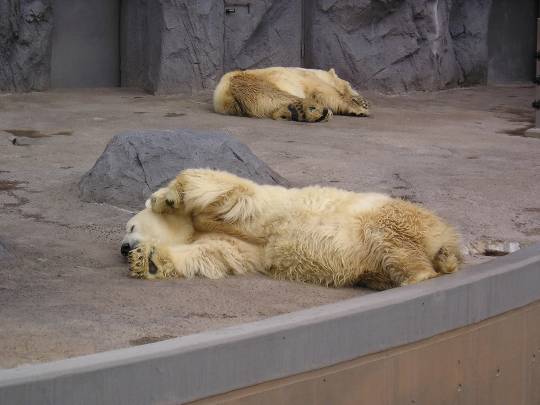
(459, 152)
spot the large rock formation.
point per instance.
(180, 45)
(25, 44)
(170, 46)
(388, 45)
(395, 45)
(264, 33)
(135, 164)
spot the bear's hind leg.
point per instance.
(407, 266)
(257, 97)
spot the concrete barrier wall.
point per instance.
(199, 366)
(496, 361)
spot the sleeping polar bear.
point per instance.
(285, 93)
(213, 223)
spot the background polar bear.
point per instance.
(315, 234)
(286, 93)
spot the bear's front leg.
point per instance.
(213, 257)
(217, 201)
(166, 199)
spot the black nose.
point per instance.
(125, 248)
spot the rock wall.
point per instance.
(395, 45)
(135, 52)
(469, 25)
(191, 45)
(170, 46)
(387, 45)
(265, 33)
(512, 41)
(25, 44)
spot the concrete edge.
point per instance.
(532, 133)
(210, 363)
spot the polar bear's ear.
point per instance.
(332, 72)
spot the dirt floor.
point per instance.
(459, 152)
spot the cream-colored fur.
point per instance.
(287, 93)
(315, 234)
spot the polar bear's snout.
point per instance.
(125, 248)
(128, 244)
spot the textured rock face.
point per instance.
(25, 44)
(135, 164)
(395, 45)
(185, 46)
(171, 45)
(388, 45)
(267, 33)
(469, 21)
(191, 45)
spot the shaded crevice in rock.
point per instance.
(142, 167)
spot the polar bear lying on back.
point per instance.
(212, 223)
(285, 93)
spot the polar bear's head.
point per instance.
(149, 227)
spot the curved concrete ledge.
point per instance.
(205, 364)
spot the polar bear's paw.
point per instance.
(307, 110)
(165, 200)
(359, 107)
(139, 261)
(149, 262)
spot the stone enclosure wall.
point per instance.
(395, 45)
(170, 46)
(25, 44)
(389, 45)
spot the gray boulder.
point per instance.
(136, 163)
